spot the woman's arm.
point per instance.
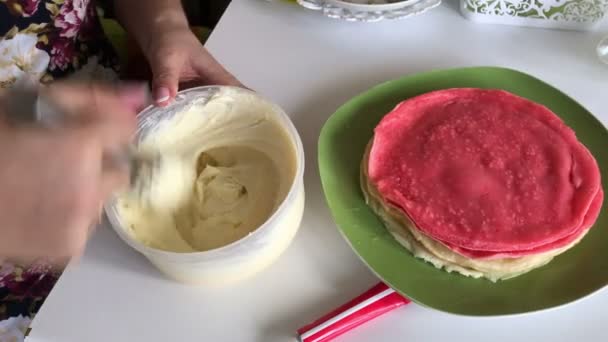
(54, 181)
(175, 55)
(145, 20)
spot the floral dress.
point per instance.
(49, 39)
(44, 40)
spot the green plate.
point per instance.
(572, 275)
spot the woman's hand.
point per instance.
(177, 58)
(52, 179)
(175, 55)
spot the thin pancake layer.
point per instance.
(421, 246)
(484, 171)
(588, 221)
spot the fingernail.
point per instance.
(161, 95)
(134, 95)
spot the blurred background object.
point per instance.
(553, 14)
(602, 50)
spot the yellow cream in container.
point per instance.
(233, 198)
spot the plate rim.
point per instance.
(372, 7)
(350, 12)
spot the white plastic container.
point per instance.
(241, 258)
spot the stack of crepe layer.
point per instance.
(481, 182)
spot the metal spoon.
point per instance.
(26, 105)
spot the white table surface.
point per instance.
(310, 65)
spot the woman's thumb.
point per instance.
(165, 82)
